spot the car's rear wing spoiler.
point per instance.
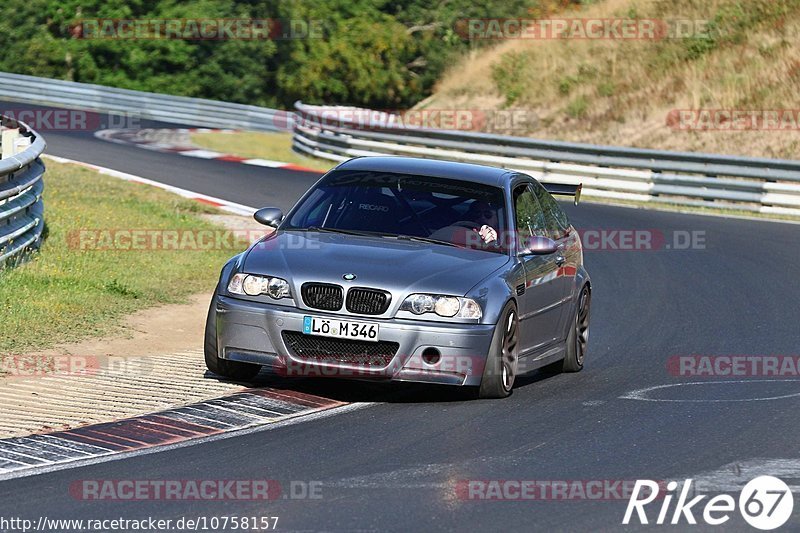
(564, 189)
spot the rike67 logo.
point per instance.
(765, 503)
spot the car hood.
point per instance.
(386, 263)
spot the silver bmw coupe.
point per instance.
(408, 269)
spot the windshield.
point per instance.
(447, 210)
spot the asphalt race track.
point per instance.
(213, 177)
(397, 463)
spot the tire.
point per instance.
(234, 370)
(578, 336)
(501, 361)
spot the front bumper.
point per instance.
(251, 332)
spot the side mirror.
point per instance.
(539, 246)
(269, 216)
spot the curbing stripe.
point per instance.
(211, 413)
(309, 416)
(263, 163)
(74, 448)
(290, 396)
(248, 409)
(260, 408)
(44, 452)
(8, 465)
(202, 154)
(232, 158)
(169, 430)
(9, 455)
(179, 425)
(129, 136)
(184, 416)
(109, 440)
(97, 443)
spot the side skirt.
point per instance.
(535, 361)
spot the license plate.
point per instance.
(331, 327)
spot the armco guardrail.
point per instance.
(338, 133)
(683, 178)
(21, 186)
(163, 107)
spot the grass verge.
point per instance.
(737, 55)
(273, 146)
(65, 293)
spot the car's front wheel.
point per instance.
(501, 362)
(235, 370)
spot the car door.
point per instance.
(538, 299)
(567, 258)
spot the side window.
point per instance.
(528, 214)
(555, 219)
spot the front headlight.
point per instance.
(253, 285)
(445, 306)
(278, 288)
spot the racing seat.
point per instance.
(371, 211)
